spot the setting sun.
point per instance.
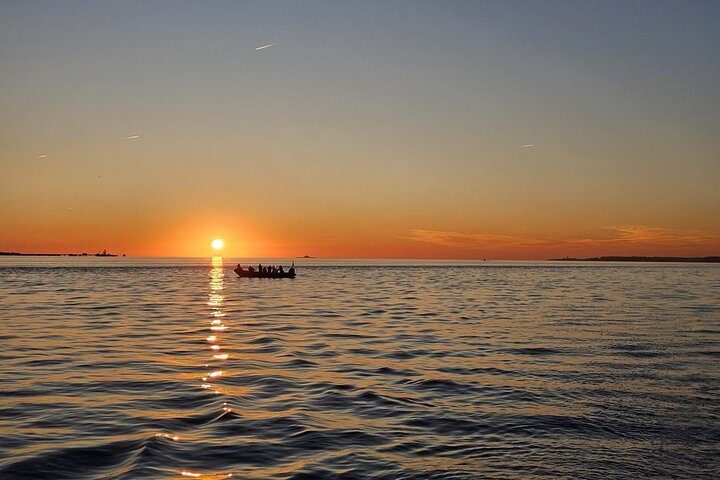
(217, 244)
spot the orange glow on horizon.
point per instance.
(348, 237)
(425, 243)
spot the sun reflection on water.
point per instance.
(215, 302)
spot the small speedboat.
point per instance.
(245, 273)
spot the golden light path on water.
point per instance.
(215, 301)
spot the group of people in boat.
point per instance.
(272, 269)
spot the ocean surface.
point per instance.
(115, 368)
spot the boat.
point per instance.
(244, 273)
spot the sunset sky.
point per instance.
(508, 129)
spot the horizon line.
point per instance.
(478, 259)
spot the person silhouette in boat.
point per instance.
(291, 270)
(280, 270)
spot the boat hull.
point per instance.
(247, 274)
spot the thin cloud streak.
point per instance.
(635, 236)
(131, 137)
(263, 47)
(472, 240)
(652, 235)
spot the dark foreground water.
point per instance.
(397, 372)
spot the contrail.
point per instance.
(263, 47)
(529, 145)
(42, 156)
(131, 137)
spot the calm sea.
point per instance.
(147, 368)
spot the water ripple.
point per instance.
(384, 372)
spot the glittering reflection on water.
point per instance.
(537, 371)
(217, 321)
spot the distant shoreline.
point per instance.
(641, 259)
(18, 254)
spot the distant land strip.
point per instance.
(641, 259)
(18, 254)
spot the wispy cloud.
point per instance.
(527, 145)
(131, 137)
(263, 47)
(651, 235)
(470, 240)
(619, 236)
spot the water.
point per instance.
(127, 368)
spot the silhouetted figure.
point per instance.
(239, 267)
(260, 267)
(280, 269)
(291, 271)
(251, 269)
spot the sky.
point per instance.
(499, 130)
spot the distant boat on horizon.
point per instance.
(306, 256)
